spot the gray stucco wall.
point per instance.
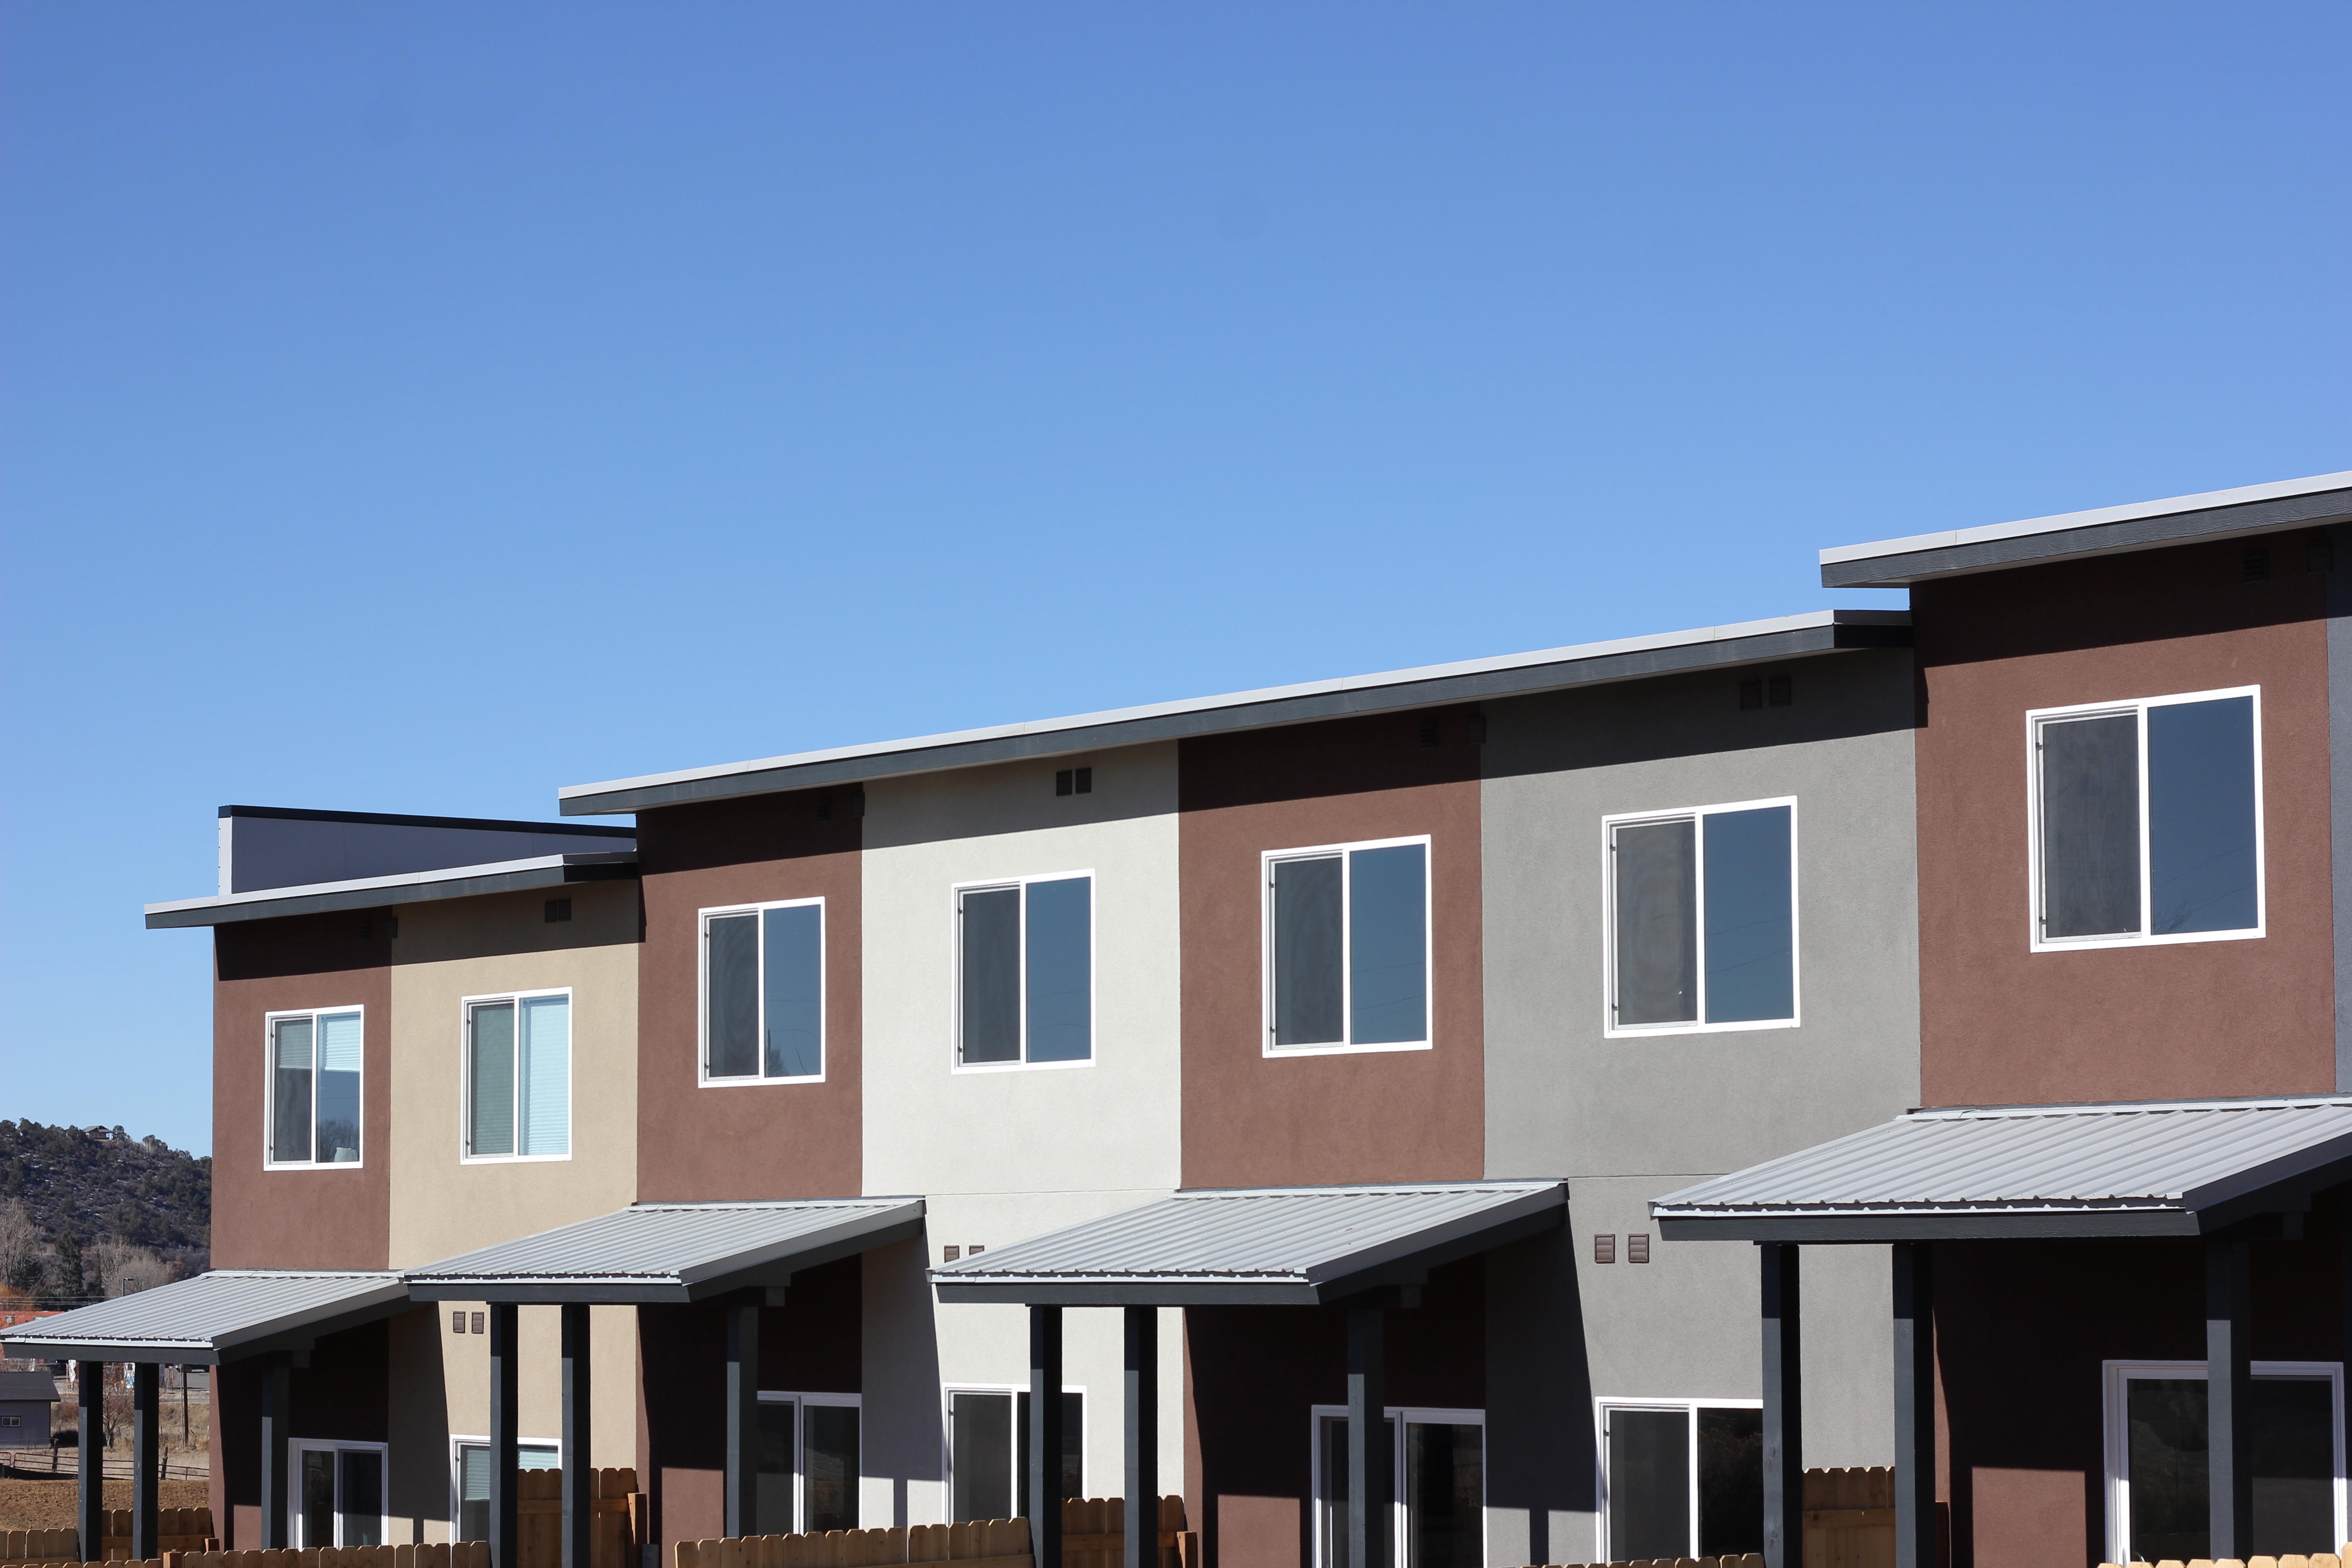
(1626, 1120)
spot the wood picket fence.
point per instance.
(618, 1517)
(179, 1528)
(1849, 1523)
(2336, 1559)
(1094, 1535)
(462, 1554)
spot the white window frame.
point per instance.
(1689, 1407)
(458, 1443)
(1268, 861)
(955, 968)
(1696, 816)
(2137, 706)
(801, 1400)
(702, 919)
(269, 1022)
(947, 1391)
(298, 1446)
(2118, 1426)
(1403, 1415)
(466, 1006)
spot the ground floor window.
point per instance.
(1439, 1460)
(988, 1450)
(1681, 1477)
(2156, 1498)
(808, 1462)
(338, 1493)
(470, 1479)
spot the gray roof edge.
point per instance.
(390, 1290)
(1525, 1202)
(1630, 658)
(889, 1211)
(408, 888)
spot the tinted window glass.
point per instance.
(338, 1089)
(1388, 899)
(992, 970)
(363, 1502)
(1445, 1495)
(1073, 1449)
(2200, 815)
(1730, 1482)
(2168, 1504)
(1657, 923)
(317, 1485)
(792, 972)
(771, 1487)
(2090, 826)
(1332, 1506)
(2294, 1465)
(1307, 978)
(1061, 969)
(733, 997)
(494, 1079)
(289, 1119)
(1648, 1484)
(1751, 916)
(981, 1452)
(829, 1455)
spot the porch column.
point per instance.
(89, 1503)
(1784, 1408)
(1915, 1405)
(742, 1414)
(504, 1395)
(2229, 1387)
(276, 1405)
(578, 1479)
(1141, 1397)
(1369, 1490)
(1045, 1436)
(145, 1460)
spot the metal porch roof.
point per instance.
(670, 1252)
(1272, 1245)
(2156, 1168)
(225, 1315)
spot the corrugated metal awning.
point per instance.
(670, 1252)
(2159, 1168)
(1270, 1246)
(225, 1315)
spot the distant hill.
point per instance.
(86, 1212)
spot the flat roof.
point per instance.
(1624, 659)
(2149, 1168)
(2105, 530)
(224, 1315)
(406, 888)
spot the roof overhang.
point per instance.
(2019, 1172)
(1283, 1247)
(408, 888)
(653, 1253)
(1629, 659)
(225, 1315)
(2288, 504)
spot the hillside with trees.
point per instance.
(87, 1213)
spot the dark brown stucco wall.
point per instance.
(312, 1218)
(760, 1141)
(341, 1394)
(2003, 1025)
(1362, 1117)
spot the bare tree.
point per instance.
(123, 1268)
(20, 1246)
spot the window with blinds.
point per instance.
(315, 1067)
(519, 1077)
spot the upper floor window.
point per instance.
(519, 1077)
(763, 992)
(314, 1087)
(1702, 913)
(1347, 940)
(2147, 820)
(1025, 972)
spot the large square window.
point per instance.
(1681, 1478)
(1347, 947)
(314, 1087)
(1025, 972)
(1702, 919)
(1438, 1472)
(808, 1463)
(2156, 1498)
(763, 994)
(2147, 820)
(339, 1494)
(988, 1451)
(519, 1077)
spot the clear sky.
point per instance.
(417, 408)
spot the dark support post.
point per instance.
(1142, 1400)
(577, 1476)
(1784, 1409)
(276, 1405)
(1915, 1405)
(2229, 1384)
(742, 1415)
(1369, 1490)
(89, 1388)
(1045, 1436)
(504, 1452)
(146, 1460)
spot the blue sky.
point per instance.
(417, 408)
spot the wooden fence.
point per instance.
(1094, 1535)
(2292, 1559)
(180, 1530)
(464, 1554)
(618, 1514)
(1848, 1523)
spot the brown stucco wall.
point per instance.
(2003, 1025)
(311, 1218)
(763, 1141)
(1372, 1116)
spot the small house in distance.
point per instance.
(26, 1401)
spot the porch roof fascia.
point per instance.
(222, 1315)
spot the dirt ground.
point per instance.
(50, 1505)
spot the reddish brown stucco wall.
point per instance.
(1372, 1116)
(763, 1140)
(2003, 1025)
(311, 1218)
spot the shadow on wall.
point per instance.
(420, 1422)
(1540, 1457)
